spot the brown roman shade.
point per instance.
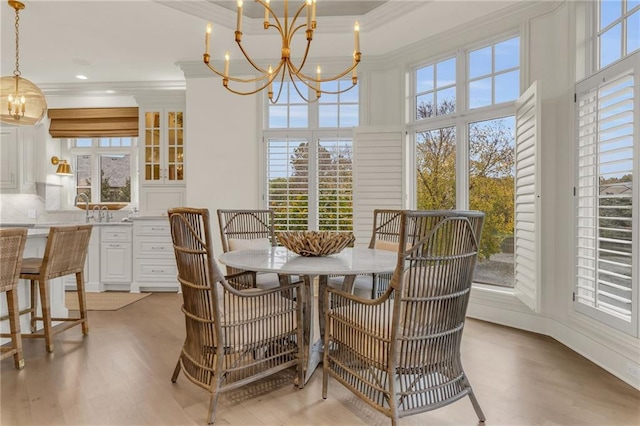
(93, 122)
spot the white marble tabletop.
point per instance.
(350, 261)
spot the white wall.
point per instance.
(222, 149)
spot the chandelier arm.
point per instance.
(295, 17)
(274, 101)
(239, 80)
(251, 92)
(253, 64)
(295, 86)
(324, 80)
(306, 52)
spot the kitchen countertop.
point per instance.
(46, 225)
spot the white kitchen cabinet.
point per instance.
(162, 144)
(115, 258)
(154, 261)
(17, 159)
(8, 158)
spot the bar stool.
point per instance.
(64, 254)
(11, 249)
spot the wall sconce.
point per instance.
(64, 168)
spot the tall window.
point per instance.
(104, 168)
(618, 30)
(308, 150)
(465, 154)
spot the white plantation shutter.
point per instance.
(607, 108)
(309, 182)
(527, 199)
(288, 181)
(335, 189)
(378, 176)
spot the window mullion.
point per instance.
(313, 181)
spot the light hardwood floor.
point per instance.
(120, 375)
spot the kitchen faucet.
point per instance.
(107, 214)
(84, 198)
(97, 215)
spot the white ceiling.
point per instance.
(142, 40)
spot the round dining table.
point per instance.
(348, 263)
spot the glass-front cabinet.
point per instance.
(163, 144)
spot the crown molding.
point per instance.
(119, 88)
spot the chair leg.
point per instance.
(82, 301)
(176, 372)
(46, 314)
(14, 326)
(476, 407)
(213, 402)
(34, 306)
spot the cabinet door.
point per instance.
(115, 263)
(174, 167)
(152, 149)
(8, 158)
(162, 156)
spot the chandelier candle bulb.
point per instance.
(226, 65)
(206, 38)
(356, 35)
(308, 14)
(318, 75)
(239, 22)
(313, 15)
(266, 15)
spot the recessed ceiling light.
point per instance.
(110, 91)
(81, 77)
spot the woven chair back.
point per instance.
(433, 283)
(66, 250)
(386, 227)
(245, 225)
(12, 242)
(198, 276)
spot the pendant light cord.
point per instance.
(17, 71)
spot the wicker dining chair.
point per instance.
(385, 236)
(400, 353)
(64, 254)
(234, 337)
(12, 243)
(247, 230)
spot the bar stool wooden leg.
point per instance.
(82, 301)
(34, 306)
(14, 326)
(46, 315)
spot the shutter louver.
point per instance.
(527, 200)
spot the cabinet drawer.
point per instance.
(150, 270)
(109, 233)
(157, 229)
(156, 247)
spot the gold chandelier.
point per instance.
(25, 102)
(287, 28)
